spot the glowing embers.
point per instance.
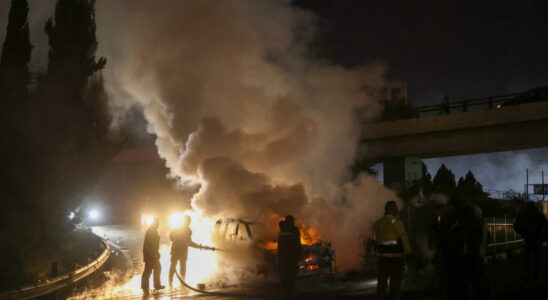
(310, 263)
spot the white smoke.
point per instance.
(237, 107)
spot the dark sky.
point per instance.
(463, 49)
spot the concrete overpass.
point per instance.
(517, 127)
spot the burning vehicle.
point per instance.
(318, 256)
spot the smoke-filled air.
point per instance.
(241, 110)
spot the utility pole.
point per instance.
(543, 188)
(527, 184)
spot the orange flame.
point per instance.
(309, 234)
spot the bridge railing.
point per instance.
(503, 235)
(465, 105)
(33, 291)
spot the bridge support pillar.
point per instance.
(399, 172)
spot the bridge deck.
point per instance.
(516, 127)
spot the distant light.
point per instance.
(71, 215)
(94, 214)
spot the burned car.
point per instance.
(318, 257)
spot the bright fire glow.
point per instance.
(175, 220)
(201, 264)
(147, 220)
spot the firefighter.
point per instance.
(180, 241)
(288, 255)
(151, 256)
(290, 227)
(435, 242)
(392, 246)
(530, 225)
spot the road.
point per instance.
(123, 280)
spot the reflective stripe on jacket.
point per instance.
(390, 237)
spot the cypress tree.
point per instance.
(16, 51)
(72, 97)
(73, 43)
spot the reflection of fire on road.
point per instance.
(244, 252)
(201, 264)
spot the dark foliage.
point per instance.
(73, 43)
(16, 51)
(62, 141)
(426, 181)
(444, 181)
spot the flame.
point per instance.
(311, 258)
(175, 220)
(146, 220)
(201, 265)
(309, 235)
(270, 246)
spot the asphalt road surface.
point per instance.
(506, 277)
(126, 242)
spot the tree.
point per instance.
(16, 50)
(469, 184)
(72, 97)
(14, 72)
(14, 81)
(14, 104)
(426, 181)
(73, 44)
(444, 181)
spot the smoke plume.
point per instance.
(237, 107)
(235, 104)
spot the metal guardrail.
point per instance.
(464, 105)
(36, 290)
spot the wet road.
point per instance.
(127, 241)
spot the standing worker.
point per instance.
(288, 255)
(530, 225)
(180, 241)
(392, 246)
(151, 256)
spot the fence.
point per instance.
(503, 235)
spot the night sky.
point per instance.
(463, 49)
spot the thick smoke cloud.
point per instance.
(237, 107)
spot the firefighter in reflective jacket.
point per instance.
(392, 246)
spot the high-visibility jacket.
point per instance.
(390, 237)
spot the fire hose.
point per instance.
(232, 294)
